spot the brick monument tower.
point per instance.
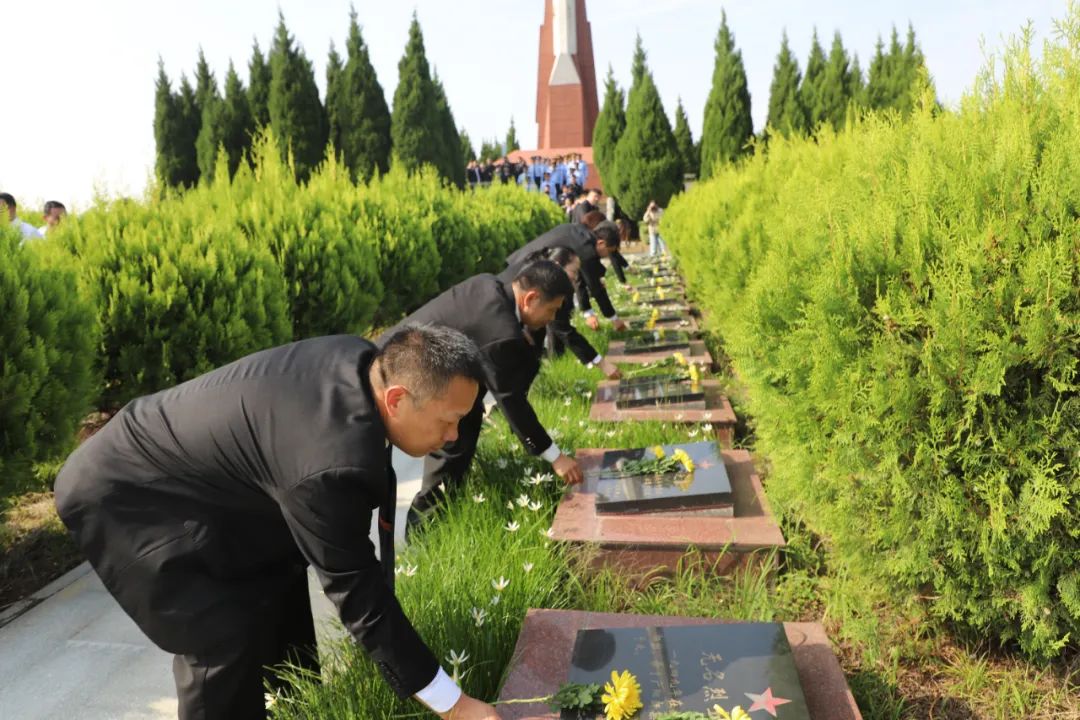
(566, 99)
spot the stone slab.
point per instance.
(542, 657)
(697, 354)
(617, 489)
(638, 544)
(717, 411)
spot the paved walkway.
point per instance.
(75, 655)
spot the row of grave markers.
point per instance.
(644, 523)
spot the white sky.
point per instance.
(78, 108)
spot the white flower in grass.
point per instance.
(564, 418)
(407, 570)
(500, 584)
(693, 433)
(509, 504)
(454, 659)
(707, 416)
(581, 423)
(535, 505)
(478, 498)
(550, 532)
(527, 567)
(555, 434)
(512, 527)
(495, 600)
(522, 500)
(479, 616)
(587, 394)
(610, 434)
(501, 463)
(568, 402)
(679, 417)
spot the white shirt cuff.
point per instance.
(596, 361)
(552, 453)
(441, 694)
(589, 313)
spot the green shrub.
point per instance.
(48, 337)
(902, 301)
(178, 292)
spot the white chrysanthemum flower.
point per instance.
(512, 527)
(500, 584)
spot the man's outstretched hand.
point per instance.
(468, 708)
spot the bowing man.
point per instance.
(201, 506)
(501, 318)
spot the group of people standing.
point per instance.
(53, 213)
(201, 506)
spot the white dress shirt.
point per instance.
(26, 229)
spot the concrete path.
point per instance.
(75, 655)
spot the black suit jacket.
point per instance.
(197, 504)
(581, 240)
(580, 210)
(482, 308)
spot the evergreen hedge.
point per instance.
(902, 301)
(48, 343)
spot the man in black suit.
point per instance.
(501, 318)
(590, 246)
(201, 506)
(590, 203)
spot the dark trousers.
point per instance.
(445, 469)
(228, 684)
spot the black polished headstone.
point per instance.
(657, 340)
(657, 391)
(620, 491)
(663, 317)
(691, 668)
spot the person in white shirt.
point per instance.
(54, 212)
(26, 229)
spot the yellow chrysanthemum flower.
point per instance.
(683, 457)
(636, 297)
(622, 696)
(655, 313)
(695, 374)
(658, 451)
(736, 714)
(679, 358)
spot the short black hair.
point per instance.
(52, 205)
(8, 200)
(545, 276)
(425, 358)
(609, 233)
(561, 256)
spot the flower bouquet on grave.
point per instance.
(619, 699)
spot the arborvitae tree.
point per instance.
(728, 125)
(895, 76)
(786, 113)
(511, 143)
(468, 154)
(416, 128)
(336, 107)
(168, 132)
(913, 65)
(209, 137)
(359, 116)
(297, 116)
(233, 122)
(452, 168)
(205, 84)
(836, 84)
(647, 157)
(259, 77)
(490, 150)
(188, 113)
(610, 124)
(811, 92)
(684, 140)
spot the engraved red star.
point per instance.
(765, 701)
(706, 464)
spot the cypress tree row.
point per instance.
(610, 124)
(188, 114)
(168, 132)
(786, 112)
(835, 84)
(297, 115)
(728, 125)
(259, 77)
(209, 137)
(233, 123)
(415, 127)
(335, 99)
(647, 158)
(684, 140)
